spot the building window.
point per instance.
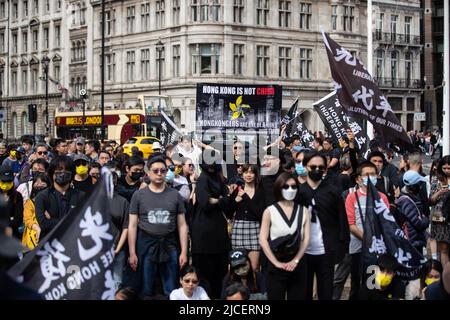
(36, 7)
(130, 65)
(56, 72)
(194, 10)
(262, 61)
(57, 36)
(46, 35)
(160, 61)
(25, 41)
(24, 121)
(25, 8)
(15, 125)
(34, 80)
(284, 13)
(394, 65)
(2, 42)
(379, 26)
(110, 18)
(216, 10)
(82, 15)
(14, 43)
(35, 40)
(305, 15)
(305, 63)
(24, 81)
(15, 10)
(14, 83)
(145, 17)
(160, 13)
(130, 19)
(145, 64)
(47, 6)
(204, 10)
(379, 73)
(176, 61)
(408, 68)
(284, 62)
(110, 60)
(262, 12)
(58, 5)
(238, 62)
(2, 10)
(408, 22)
(348, 18)
(334, 17)
(238, 11)
(176, 12)
(205, 59)
(393, 27)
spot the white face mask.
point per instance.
(289, 194)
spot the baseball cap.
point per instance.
(21, 150)
(6, 174)
(81, 156)
(412, 177)
(80, 140)
(156, 146)
(238, 257)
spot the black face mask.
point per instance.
(36, 190)
(63, 178)
(135, 176)
(316, 175)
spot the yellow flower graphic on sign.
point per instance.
(238, 108)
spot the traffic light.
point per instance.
(32, 113)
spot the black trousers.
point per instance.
(356, 271)
(212, 268)
(341, 274)
(322, 266)
(284, 285)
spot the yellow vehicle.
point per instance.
(144, 144)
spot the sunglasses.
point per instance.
(287, 186)
(42, 153)
(314, 168)
(159, 171)
(80, 144)
(190, 165)
(235, 148)
(190, 281)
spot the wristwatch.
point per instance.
(296, 261)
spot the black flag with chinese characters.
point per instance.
(289, 118)
(169, 131)
(75, 260)
(383, 235)
(336, 120)
(360, 96)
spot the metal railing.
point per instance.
(397, 38)
(399, 83)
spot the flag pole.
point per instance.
(446, 82)
(369, 127)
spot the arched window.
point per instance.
(15, 125)
(24, 123)
(379, 73)
(394, 65)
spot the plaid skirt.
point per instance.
(245, 234)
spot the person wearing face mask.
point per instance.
(38, 166)
(284, 237)
(130, 183)
(330, 235)
(241, 272)
(54, 203)
(15, 160)
(299, 168)
(411, 208)
(32, 232)
(296, 144)
(3, 152)
(384, 284)
(355, 206)
(13, 200)
(82, 180)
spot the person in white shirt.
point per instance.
(190, 290)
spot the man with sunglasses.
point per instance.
(157, 214)
(330, 234)
(41, 152)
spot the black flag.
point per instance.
(75, 260)
(383, 235)
(169, 131)
(289, 118)
(359, 94)
(336, 120)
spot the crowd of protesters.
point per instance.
(190, 229)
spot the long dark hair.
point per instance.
(39, 176)
(280, 182)
(254, 169)
(440, 174)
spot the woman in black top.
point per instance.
(209, 234)
(247, 205)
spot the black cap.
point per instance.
(6, 174)
(238, 257)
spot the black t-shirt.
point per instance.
(87, 185)
(120, 208)
(127, 190)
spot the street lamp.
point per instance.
(45, 65)
(159, 48)
(83, 95)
